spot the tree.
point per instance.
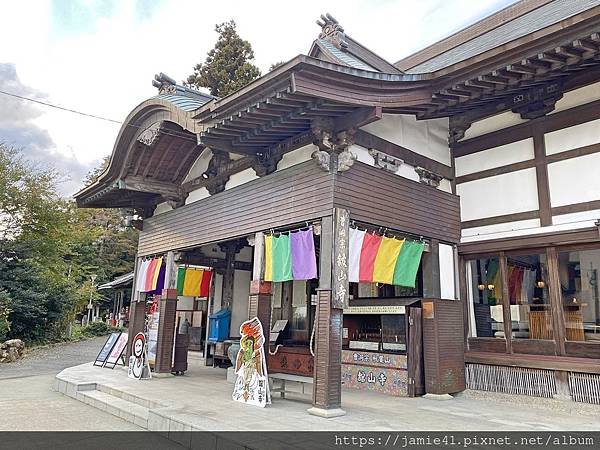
(228, 66)
(276, 65)
(49, 248)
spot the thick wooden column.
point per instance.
(556, 303)
(167, 308)
(259, 301)
(431, 271)
(332, 298)
(229, 275)
(137, 310)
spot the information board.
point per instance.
(106, 349)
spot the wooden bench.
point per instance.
(283, 377)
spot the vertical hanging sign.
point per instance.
(340, 258)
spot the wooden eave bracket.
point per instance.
(170, 192)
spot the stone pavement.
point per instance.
(28, 402)
(201, 400)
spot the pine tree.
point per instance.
(228, 66)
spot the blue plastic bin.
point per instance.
(218, 329)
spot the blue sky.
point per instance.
(99, 56)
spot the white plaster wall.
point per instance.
(447, 278)
(185, 303)
(494, 123)
(495, 157)
(196, 195)
(426, 137)
(578, 97)
(573, 137)
(488, 230)
(241, 292)
(445, 185)
(495, 196)
(199, 166)
(574, 218)
(240, 178)
(405, 170)
(162, 208)
(362, 155)
(574, 180)
(296, 156)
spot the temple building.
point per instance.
(417, 227)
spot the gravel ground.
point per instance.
(52, 359)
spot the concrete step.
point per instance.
(149, 404)
(119, 407)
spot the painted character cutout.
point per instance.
(252, 383)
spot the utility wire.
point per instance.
(93, 116)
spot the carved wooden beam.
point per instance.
(357, 118)
(140, 184)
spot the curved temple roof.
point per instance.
(349, 85)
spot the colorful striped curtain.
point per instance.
(148, 275)
(290, 256)
(377, 259)
(192, 282)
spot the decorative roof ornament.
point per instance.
(165, 84)
(332, 31)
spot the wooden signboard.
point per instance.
(106, 349)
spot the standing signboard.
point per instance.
(138, 361)
(117, 351)
(106, 349)
(252, 383)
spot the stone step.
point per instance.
(126, 410)
(149, 404)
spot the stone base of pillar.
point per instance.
(326, 413)
(438, 397)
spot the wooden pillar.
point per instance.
(332, 297)
(431, 271)
(137, 310)
(167, 308)
(506, 303)
(556, 303)
(228, 275)
(259, 302)
(563, 390)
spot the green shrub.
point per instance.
(96, 329)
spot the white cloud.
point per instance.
(100, 57)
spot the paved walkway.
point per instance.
(52, 359)
(29, 403)
(201, 400)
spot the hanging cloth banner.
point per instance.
(355, 242)
(377, 259)
(150, 275)
(290, 256)
(368, 254)
(160, 281)
(193, 280)
(268, 276)
(140, 283)
(180, 280)
(304, 261)
(205, 284)
(407, 265)
(385, 261)
(282, 258)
